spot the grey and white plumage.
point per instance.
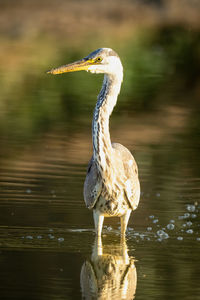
(111, 186)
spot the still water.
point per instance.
(47, 242)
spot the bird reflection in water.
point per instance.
(110, 274)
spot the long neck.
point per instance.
(102, 147)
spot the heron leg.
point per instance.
(124, 222)
(97, 248)
(98, 222)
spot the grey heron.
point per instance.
(112, 185)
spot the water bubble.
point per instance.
(50, 230)
(151, 217)
(198, 239)
(109, 228)
(186, 215)
(61, 239)
(170, 226)
(29, 237)
(189, 223)
(172, 221)
(162, 234)
(158, 194)
(136, 233)
(193, 216)
(191, 207)
(149, 228)
(28, 191)
(190, 231)
(179, 238)
(51, 236)
(159, 240)
(130, 229)
(155, 221)
(39, 237)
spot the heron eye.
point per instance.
(98, 59)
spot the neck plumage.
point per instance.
(102, 147)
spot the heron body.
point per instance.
(111, 186)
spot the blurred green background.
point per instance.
(158, 42)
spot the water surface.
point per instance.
(46, 233)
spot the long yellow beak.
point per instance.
(79, 65)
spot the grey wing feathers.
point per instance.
(92, 185)
(132, 184)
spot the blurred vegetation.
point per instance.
(159, 45)
(159, 64)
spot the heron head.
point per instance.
(103, 60)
